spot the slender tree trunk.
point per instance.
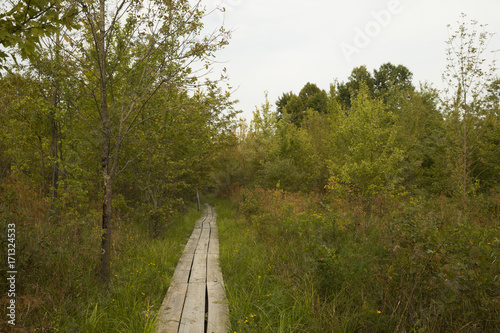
(198, 199)
(42, 171)
(54, 131)
(107, 210)
(465, 161)
(464, 171)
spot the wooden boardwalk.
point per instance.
(196, 300)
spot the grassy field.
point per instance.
(291, 263)
(59, 290)
(302, 263)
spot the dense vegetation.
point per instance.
(371, 206)
(109, 127)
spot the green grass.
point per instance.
(141, 277)
(259, 302)
(297, 264)
(59, 289)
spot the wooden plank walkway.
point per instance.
(196, 299)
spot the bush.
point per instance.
(406, 264)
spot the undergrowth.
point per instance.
(307, 263)
(57, 253)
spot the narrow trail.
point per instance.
(196, 299)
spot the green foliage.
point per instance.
(384, 81)
(293, 108)
(389, 77)
(488, 163)
(58, 273)
(343, 265)
(468, 77)
(365, 146)
(27, 21)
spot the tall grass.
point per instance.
(59, 290)
(305, 263)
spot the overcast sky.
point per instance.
(278, 46)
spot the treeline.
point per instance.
(376, 134)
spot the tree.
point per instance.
(178, 151)
(281, 103)
(125, 52)
(314, 98)
(488, 168)
(294, 107)
(25, 130)
(389, 76)
(366, 153)
(28, 20)
(255, 149)
(294, 110)
(348, 91)
(467, 79)
(420, 134)
(264, 120)
(383, 81)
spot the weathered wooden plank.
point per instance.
(171, 309)
(193, 241)
(214, 273)
(200, 221)
(203, 241)
(213, 247)
(193, 314)
(213, 220)
(195, 236)
(214, 232)
(199, 269)
(207, 224)
(181, 276)
(218, 309)
(183, 269)
(190, 248)
(186, 260)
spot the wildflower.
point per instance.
(379, 312)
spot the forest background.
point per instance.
(388, 194)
